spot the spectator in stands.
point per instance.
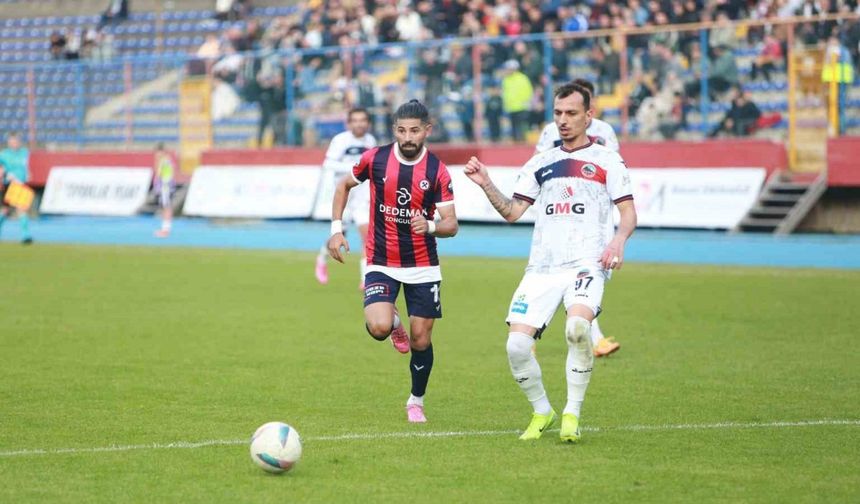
(723, 35)
(836, 66)
(493, 110)
(767, 59)
(408, 24)
(15, 168)
(232, 10)
(740, 118)
(517, 94)
(431, 72)
(465, 107)
(116, 13)
(88, 45)
(58, 45)
(667, 38)
(723, 74)
(530, 61)
(608, 65)
(460, 69)
(73, 44)
(387, 17)
(367, 97)
(852, 40)
(210, 49)
(661, 115)
(272, 98)
(673, 122)
(643, 88)
(307, 76)
(560, 60)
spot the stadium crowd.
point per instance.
(663, 65)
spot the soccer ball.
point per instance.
(276, 447)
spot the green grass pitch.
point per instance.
(707, 401)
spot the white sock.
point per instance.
(415, 400)
(166, 225)
(526, 371)
(580, 361)
(596, 333)
(362, 268)
(323, 254)
(396, 321)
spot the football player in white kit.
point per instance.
(343, 153)
(600, 132)
(574, 248)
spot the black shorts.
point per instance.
(422, 300)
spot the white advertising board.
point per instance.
(695, 198)
(81, 190)
(253, 191)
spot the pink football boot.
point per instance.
(321, 270)
(399, 338)
(415, 413)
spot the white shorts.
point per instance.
(358, 205)
(539, 294)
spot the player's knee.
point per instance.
(577, 330)
(519, 346)
(419, 344)
(419, 340)
(378, 331)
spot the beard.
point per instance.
(410, 150)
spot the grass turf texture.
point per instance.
(125, 346)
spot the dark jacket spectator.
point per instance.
(58, 46)
(740, 118)
(116, 12)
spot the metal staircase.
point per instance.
(783, 203)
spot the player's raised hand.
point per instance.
(613, 256)
(334, 245)
(476, 171)
(419, 225)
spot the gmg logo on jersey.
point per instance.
(565, 208)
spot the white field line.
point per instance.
(443, 434)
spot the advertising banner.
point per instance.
(253, 191)
(96, 190)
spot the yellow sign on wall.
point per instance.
(195, 121)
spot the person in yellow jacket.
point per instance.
(837, 63)
(517, 94)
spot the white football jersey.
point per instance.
(598, 130)
(345, 150)
(574, 193)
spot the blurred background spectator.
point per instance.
(740, 118)
(116, 12)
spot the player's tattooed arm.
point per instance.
(511, 209)
(502, 204)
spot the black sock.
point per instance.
(420, 366)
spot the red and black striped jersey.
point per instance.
(400, 190)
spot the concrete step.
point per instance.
(788, 187)
(770, 211)
(773, 198)
(762, 223)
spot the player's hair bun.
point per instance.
(413, 109)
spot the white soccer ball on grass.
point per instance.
(276, 447)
